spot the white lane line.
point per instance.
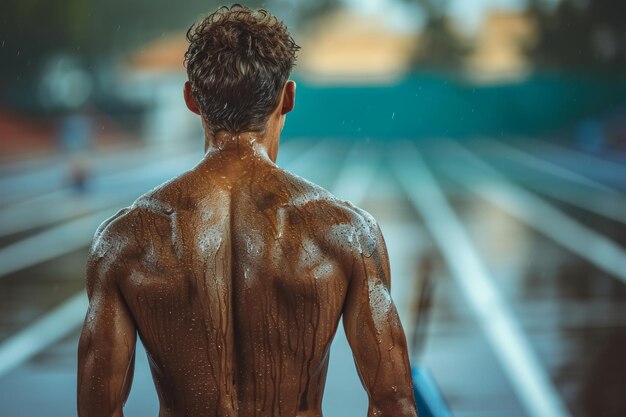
(310, 160)
(11, 167)
(44, 332)
(51, 243)
(535, 163)
(541, 216)
(357, 175)
(608, 203)
(67, 317)
(528, 378)
(590, 162)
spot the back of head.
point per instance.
(238, 62)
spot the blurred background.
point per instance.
(488, 138)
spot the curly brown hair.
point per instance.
(238, 62)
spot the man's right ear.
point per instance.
(189, 100)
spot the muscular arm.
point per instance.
(106, 349)
(374, 331)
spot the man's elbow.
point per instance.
(93, 412)
(94, 403)
(393, 404)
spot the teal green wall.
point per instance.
(426, 105)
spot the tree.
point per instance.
(439, 46)
(580, 34)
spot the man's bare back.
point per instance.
(235, 276)
(236, 273)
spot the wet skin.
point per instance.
(235, 275)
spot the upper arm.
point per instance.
(107, 342)
(373, 327)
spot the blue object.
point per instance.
(429, 401)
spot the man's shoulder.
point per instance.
(307, 197)
(341, 220)
(115, 234)
(113, 246)
(163, 197)
(125, 227)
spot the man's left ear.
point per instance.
(189, 100)
(289, 97)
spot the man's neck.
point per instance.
(257, 143)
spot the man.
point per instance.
(236, 273)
